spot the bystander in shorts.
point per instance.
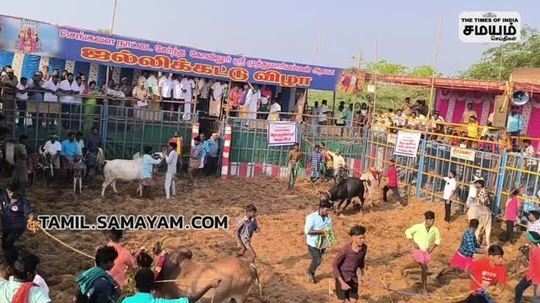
(420, 256)
(351, 293)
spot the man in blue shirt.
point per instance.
(70, 149)
(317, 229)
(514, 126)
(144, 282)
(210, 148)
(148, 163)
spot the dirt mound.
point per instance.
(280, 245)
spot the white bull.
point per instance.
(124, 170)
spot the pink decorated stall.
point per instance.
(452, 103)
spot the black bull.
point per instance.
(345, 191)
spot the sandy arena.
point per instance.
(282, 254)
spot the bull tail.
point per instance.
(255, 273)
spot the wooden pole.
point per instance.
(372, 112)
(433, 74)
(113, 21)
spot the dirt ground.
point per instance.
(282, 254)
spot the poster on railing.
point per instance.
(462, 153)
(282, 133)
(407, 144)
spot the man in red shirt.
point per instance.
(485, 273)
(392, 182)
(533, 272)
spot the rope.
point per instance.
(34, 226)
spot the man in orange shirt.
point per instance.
(123, 262)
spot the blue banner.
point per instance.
(44, 39)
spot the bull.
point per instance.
(181, 272)
(345, 191)
(124, 170)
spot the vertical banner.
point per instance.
(282, 133)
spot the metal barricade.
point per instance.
(521, 172)
(438, 163)
(124, 130)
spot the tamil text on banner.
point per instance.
(282, 133)
(462, 153)
(39, 38)
(407, 143)
(489, 27)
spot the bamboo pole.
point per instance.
(435, 57)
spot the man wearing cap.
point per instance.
(480, 210)
(533, 272)
(472, 191)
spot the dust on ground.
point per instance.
(282, 253)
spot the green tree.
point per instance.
(423, 71)
(498, 62)
(386, 68)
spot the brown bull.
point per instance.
(182, 276)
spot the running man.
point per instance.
(486, 273)
(348, 261)
(463, 258)
(295, 156)
(425, 237)
(318, 231)
(246, 227)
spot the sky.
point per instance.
(321, 32)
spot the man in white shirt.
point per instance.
(22, 86)
(252, 102)
(534, 221)
(215, 102)
(323, 112)
(51, 86)
(23, 270)
(171, 159)
(187, 85)
(52, 148)
(275, 109)
(151, 84)
(177, 94)
(200, 84)
(68, 88)
(165, 88)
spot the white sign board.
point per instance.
(489, 27)
(281, 133)
(462, 153)
(407, 144)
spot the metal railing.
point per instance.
(124, 130)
